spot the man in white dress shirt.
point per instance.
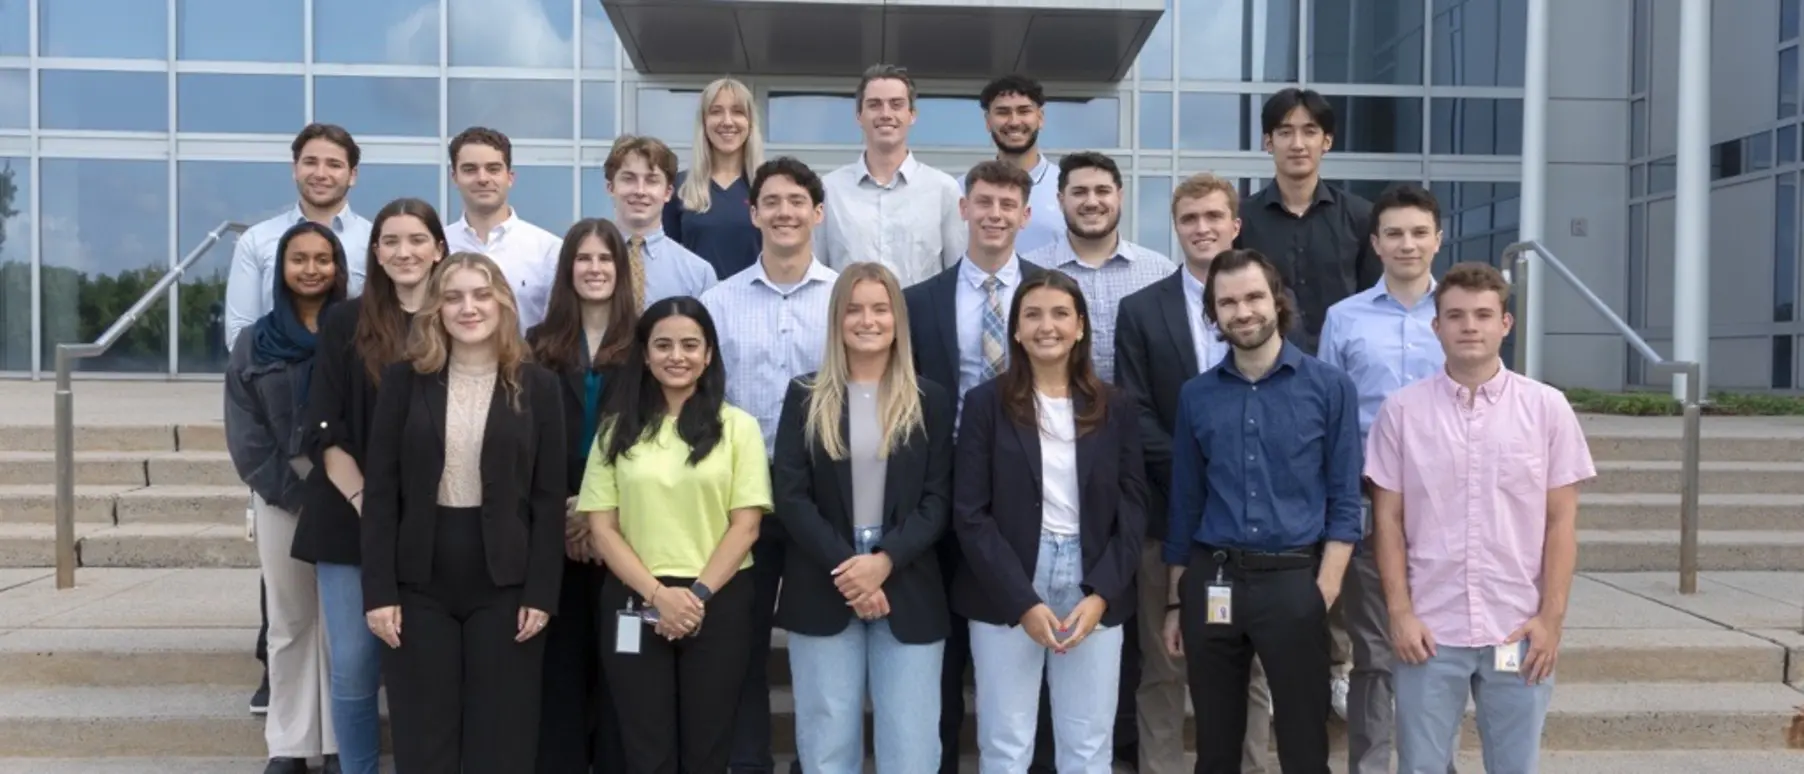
(887, 206)
(482, 168)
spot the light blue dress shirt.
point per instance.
(1210, 349)
(1381, 344)
(971, 300)
(1046, 224)
(251, 284)
(672, 270)
(1131, 268)
(768, 336)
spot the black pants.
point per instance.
(676, 700)
(263, 631)
(463, 696)
(1279, 615)
(578, 730)
(751, 730)
(954, 663)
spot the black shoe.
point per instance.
(331, 766)
(260, 699)
(286, 766)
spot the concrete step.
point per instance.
(1652, 550)
(104, 437)
(170, 544)
(157, 504)
(1712, 447)
(123, 468)
(1721, 512)
(1775, 477)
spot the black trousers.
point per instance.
(578, 729)
(263, 631)
(1279, 615)
(752, 729)
(955, 663)
(676, 700)
(463, 696)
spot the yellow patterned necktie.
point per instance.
(635, 258)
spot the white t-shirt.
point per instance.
(1058, 465)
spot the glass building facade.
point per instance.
(130, 128)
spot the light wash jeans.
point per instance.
(831, 676)
(356, 668)
(1431, 702)
(1084, 681)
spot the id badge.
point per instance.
(1509, 657)
(1221, 604)
(628, 627)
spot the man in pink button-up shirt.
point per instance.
(1475, 501)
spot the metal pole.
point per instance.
(65, 473)
(1534, 180)
(1519, 276)
(1691, 227)
(1688, 492)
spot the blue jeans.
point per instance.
(356, 668)
(1085, 681)
(1431, 701)
(831, 676)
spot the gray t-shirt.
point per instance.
(867, 468)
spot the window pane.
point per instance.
(599, 119)
(15, 99)
(100, 100)
(273, 104)
(1788, 82)
(596, 201)
(1377, 124)
(209, 192)
(1788, 19)
(239, 30)
(1782, 362)
(1637, 290)
(1155, 56)
(1788, 143)
(1155, 120)
(15, 262)
(379, 184)
(1152, 208)
(956, 122)
(1251, 40)
(1480, 42)
(1785, 248)
(376, 31)
(1480, 219)
(801, 118)
(1638, 63)
(1662, 176)
(1483, 127)
(1638, 129)
(666, 113)
(15, 27)
(1092, 124)
(598, 36)
(1638, 180)
(115, 29)
(1218, 122)
(1758, 150)
(404, 107)
(518, 33)
(106, 241)
(542, 196)
(1375, 41)
(518, 109)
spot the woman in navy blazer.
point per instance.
(1049, 503)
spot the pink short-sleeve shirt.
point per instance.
(1474, 480)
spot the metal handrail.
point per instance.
(1517, 257)
(66, 355)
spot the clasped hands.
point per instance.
(860, 579)
(1043, 626)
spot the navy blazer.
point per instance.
(996, 507)
(933, 323)
(814, 501)
(1154, 356)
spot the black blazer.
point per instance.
(523, 483)
(996, 503)
(573, 392)
(814, 502)
(933, 323)
(341, 407)
(1154, 356)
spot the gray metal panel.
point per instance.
(679, 38)
(819, 39)
(1072, 46)
(954, 42)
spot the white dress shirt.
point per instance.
(1046, 224)
(526, 254)
(1131, 268)
(1210, 349)
(911, 225)
(251, 282)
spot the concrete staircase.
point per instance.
(146, 666)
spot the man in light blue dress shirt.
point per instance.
(325, 169)
(640, 171)
(1014, 111)
(1384, 338)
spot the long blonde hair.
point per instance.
(430, 346)
(898, 396)
(695, 194)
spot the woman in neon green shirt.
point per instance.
(674, 507)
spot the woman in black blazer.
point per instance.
(863, 477)
(1049, 504)
(587, 331)
(463, 529)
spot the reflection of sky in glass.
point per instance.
(599, 119)
(669, 115)
(1373, 41)
(510, 33)
(1155, 56)
(596, 201)
(239, 30)
(376, 31)
(517, 108)
(131, 29)
(15, 28)
(1217, 122)
(1227, 41)
(942, 122)
(483, 33)
(209, 192)
(1155, 120)
(15, 99)
(100, 100)
(378, 106)
(541, 196)
(271, 104)
(1152, 210)
(104, 215)
(1480, 42)
(379, 184)
(17, 243)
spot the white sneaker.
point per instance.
(1340, 686)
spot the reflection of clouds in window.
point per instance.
(1250, 39)
(515, 108)
(209, 192)
(378, 106)
(376, 31)
(102, 28)
(510, 33)
(15, 232)
(15, 99)
(102, 216)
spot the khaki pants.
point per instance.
(299, 724)
(1162, 691)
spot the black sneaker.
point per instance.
(286, 766)
(260, 701)
(331, 766)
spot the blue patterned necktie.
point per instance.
(995, 354)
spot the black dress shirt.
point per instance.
(1325, 254)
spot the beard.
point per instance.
(1106, 229)
(1033, 139)
(1253, 339)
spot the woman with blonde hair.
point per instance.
(863, 472)
(711, 213)
(463, 528)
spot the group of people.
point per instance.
(554, 493)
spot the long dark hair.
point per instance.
(1017, 382)
(637, 404)
(382, 324)
(557, 341)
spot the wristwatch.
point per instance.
(701, 591)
